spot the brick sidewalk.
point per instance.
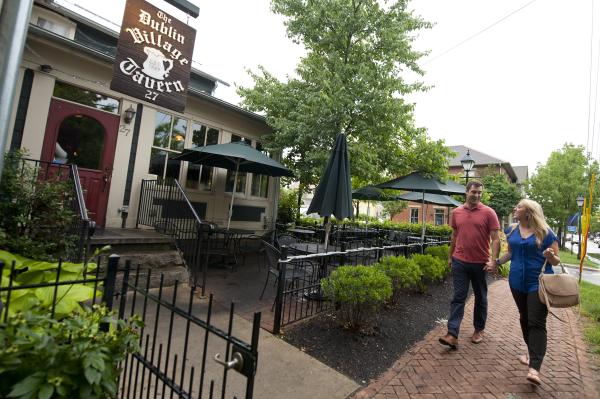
(490, 369)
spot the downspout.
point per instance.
(14, 22)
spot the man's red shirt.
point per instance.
(472, 228)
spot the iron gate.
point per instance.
(188, 347)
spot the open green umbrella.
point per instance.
(435, 199)
(417, 182)
(371, 193)
(333, 195)
(237, 156)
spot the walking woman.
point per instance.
(530, 243)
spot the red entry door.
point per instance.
(85, 137)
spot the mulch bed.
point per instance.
(365, 355)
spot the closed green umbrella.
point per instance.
(333, 195)
(237, 156)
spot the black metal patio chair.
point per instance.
(294, 272)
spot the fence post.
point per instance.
(124, 288)
(279, 296)
(1, 304)
(343, 249)
(142, 193)
(109, 285)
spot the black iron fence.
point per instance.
(99, 279)
(165, 207)
(188, 348)
(299, 296)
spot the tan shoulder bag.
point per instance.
(559, 290)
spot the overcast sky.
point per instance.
(516, 91)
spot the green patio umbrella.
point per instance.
(333, 195)
(371, 193)
(237, 156)
(435, 199)
(417, 182)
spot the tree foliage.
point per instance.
(349, 82)
(556, 184)
(503, 196)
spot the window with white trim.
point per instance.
(240, 187)
(200, 177)
(414, 215)
(439, 217)
(260, 183)
(169, 140)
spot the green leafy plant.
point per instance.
(359, 291)
(288, 206)
(35, 214)
(439, 252)
(27, 271)
(404, 273)
(433, 269)
(504, 269)
(41, 357)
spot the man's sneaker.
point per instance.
(477, 337)
(449, 340)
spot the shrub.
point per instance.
(34, 214)
(404, 273)
(433, 269)
(288, 206)
(359, 290)
(504, 269)
(73, 358)
(439, 251)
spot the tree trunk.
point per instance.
(300, 191)
(561, 237)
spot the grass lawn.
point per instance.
(571, 258)
(595, 256)
(590, 307)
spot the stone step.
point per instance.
(167, 262)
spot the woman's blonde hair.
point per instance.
(535, 216)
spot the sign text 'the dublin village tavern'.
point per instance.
(154, 56)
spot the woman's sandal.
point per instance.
(533, 376)
(524, 359)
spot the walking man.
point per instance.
(473, 225)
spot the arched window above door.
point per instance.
(80, 141)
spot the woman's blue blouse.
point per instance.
(527, 260)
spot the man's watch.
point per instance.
(498, 262)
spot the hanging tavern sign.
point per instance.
(154, 56)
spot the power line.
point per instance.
(478, 33)
(595, 99)
(587, 141)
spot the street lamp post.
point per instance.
(467, 163)
(580, 199)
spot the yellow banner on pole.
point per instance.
(586, 218)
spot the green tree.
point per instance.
(556, 184)
(503, 196)
(392, 208)
(349, 82)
